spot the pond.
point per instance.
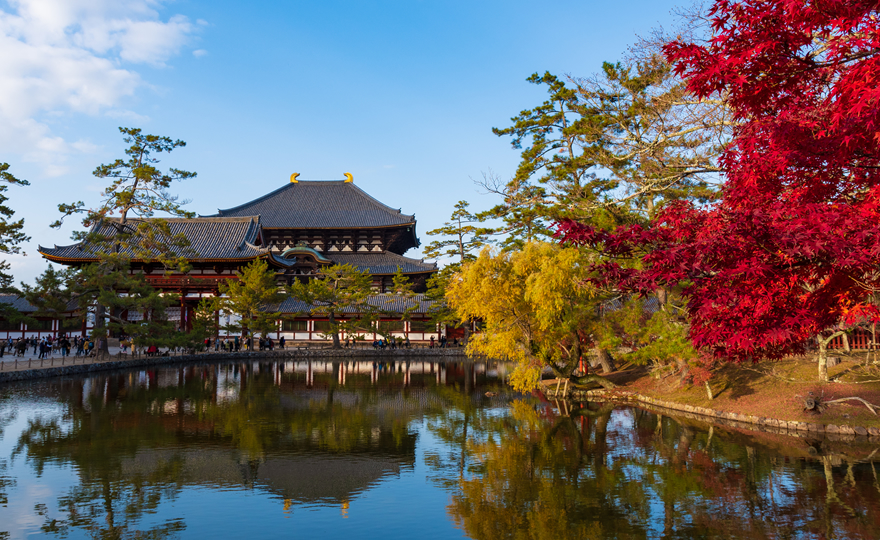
(399, 450)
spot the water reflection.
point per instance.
(310, 433)
(598, 472)
(388, 449)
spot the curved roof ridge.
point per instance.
(41, 248)
(380, 203)
(410, 259)
(258, 199)
(312, 204)
(259, 249)
(207, 219)
(253, 229)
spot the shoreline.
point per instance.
(753, 423)
(299, 353)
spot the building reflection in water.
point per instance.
(323, 434)
(310, 433)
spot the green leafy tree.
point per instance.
(461, 236)
(253, 296)
(524, 211)
(401, 292)
(617, 145)
(120, 292)
(613, 149)
(11, 236)
(123, 227)
(657, 142)
(52, 292)
(557, 162)
(336, 289)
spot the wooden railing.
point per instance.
(860, 339)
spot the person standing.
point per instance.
(281, 342)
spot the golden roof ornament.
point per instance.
(349, 178)
(293, 179)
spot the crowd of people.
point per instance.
(47, 346)
(392, 343)
(236, 344)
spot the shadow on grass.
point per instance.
(626, 374)
(738, 382)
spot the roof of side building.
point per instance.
(17, 302)
(210, 238)
(388, 303)
(382, 263)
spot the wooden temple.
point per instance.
(297, 229)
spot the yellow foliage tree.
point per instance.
(537, 307)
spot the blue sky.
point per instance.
(402, 94)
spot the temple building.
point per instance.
(297, 229)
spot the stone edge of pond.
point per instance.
(737, 420)
(110, 365)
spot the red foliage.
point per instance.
(792, 248)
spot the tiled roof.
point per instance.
(382, 263)
(399, 304)
(210, 238)
(17, 302)
(385, 302)
(310, 204)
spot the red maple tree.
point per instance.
(793, 246)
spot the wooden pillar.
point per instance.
(182, 324)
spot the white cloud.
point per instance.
(198, 53)
(59, 57)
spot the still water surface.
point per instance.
(406, 450)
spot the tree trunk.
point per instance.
(823, 360)
(823, 354)
(605, 360)
(585, 380)
(683, 369)
(662, 298)
(332, 318)
(709, 391)
(101, 346)
(846, 346)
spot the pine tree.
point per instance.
(11, 236)
(338, 289)
(123, 227)
(461, 236)
(254, 296)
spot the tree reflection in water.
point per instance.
(513, 467)
(7, 415)
(604, 473)
(138, 439)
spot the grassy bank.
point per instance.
(772, 389)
